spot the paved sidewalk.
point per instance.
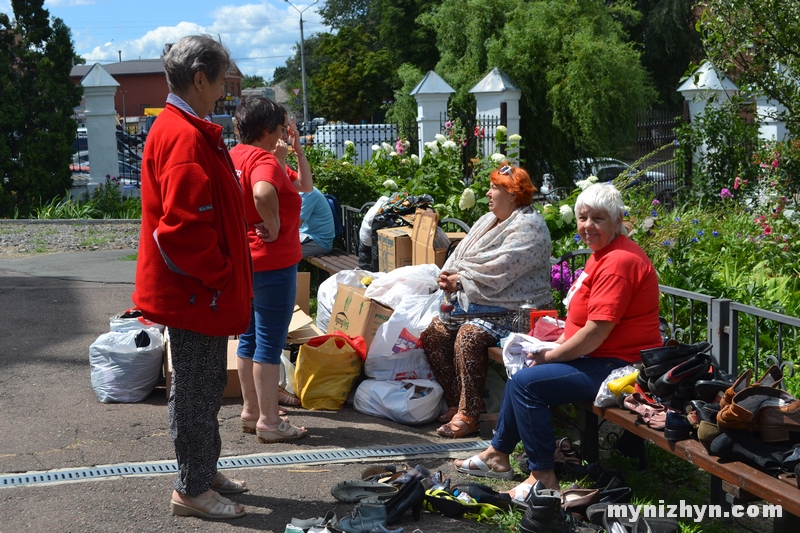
(54, 307)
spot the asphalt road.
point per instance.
(54, 306)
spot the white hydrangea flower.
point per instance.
(449, 145)
(502, 129)
(441, 138)
(387, 147)
(348, 143)
(376, 148)
(547, 205)
(583, 184)
(405, 161)
(566, 214)
(390, 184)
(415, 158)
(592, 179)
(433, 148)
(393, 154)
(467, 199)
(498, 158)
(515, 138)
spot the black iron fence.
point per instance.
(656, 128)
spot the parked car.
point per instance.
(607, 168)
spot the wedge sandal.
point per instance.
(215, 507)
(283, 433)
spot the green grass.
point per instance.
(131, 257)
(94, 240)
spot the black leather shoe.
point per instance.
(694, 367)
(677, 427)
(657, 356)
(410, 496)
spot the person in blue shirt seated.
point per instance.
(316, 224)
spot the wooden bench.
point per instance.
(732, 483)
(333, 262)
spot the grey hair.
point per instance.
(601, 196)
(190, 55)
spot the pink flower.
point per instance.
(399, 148)
(774, 163)
(767, 230)
(655, 202)
(725, 193)
(736, 183)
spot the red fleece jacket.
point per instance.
(194, 270)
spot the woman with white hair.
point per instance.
(612, 314)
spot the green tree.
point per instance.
(291, 75)
(403, 111)
(353, 80)
(580, 77)
(250, 81)
(758, 43)
(39, 135)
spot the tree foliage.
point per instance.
(251, 81)
(37, 127)
(353, 79)
(581, 79)
(291, 75)
(758, 43)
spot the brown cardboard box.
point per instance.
(394, 248)
(303, 291)
(422, 237)
(232, 390)
(355, 314)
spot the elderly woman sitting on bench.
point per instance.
(612, 314)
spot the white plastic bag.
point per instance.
(326, 294)
(387, 359)
(606, 398)
(393, 287)
(407, 402)
(125, 366)
(286, 378)
(516, 346)
(405, 361)
(132, 319)
(365, 230)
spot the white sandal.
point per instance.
(283, 433)
(482, 470)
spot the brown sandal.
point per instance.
(285, 398)
(460, 426)
(448, 415)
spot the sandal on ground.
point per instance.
(448, 415)
(284, 398)
(460, 426)
(481, 469)
(223, 485)
(284, 432)
(215, 507)
(521, 492)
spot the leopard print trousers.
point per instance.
(459, 363)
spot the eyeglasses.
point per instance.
(507, 170)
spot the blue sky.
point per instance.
(260, 36)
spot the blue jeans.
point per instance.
(274, 293)
(525, 413)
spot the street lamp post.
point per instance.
(303, 62)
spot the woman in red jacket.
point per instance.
(272, 208)
(193, 272)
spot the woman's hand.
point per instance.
(294, 137)
(448, 282)
(280, 152)
(537, 358)
(262, 232)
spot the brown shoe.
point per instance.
(776, 421)
(460, 426)
(745, 406)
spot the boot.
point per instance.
(366, 516)
(544, 513)
(742, 412)
(410, 496)
(771, 378)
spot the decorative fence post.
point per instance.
(494, 90)
(432, 94)
(99, 88)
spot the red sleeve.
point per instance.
(292, 173)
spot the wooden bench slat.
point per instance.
(739, 474)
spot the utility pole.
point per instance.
(303, 62)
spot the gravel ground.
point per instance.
(26, 237)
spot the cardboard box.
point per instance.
(355, 314)
(394, 248)
(302, 328)
(303, 292)
(232, 390)
(422, 238)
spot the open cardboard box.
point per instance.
(301, 328)
(423, 236)
(355, 314)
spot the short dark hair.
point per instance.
(255, 115)
(190, 55)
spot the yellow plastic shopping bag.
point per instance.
(324, 374)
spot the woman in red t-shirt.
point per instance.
(612, 314)
(272, 210)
